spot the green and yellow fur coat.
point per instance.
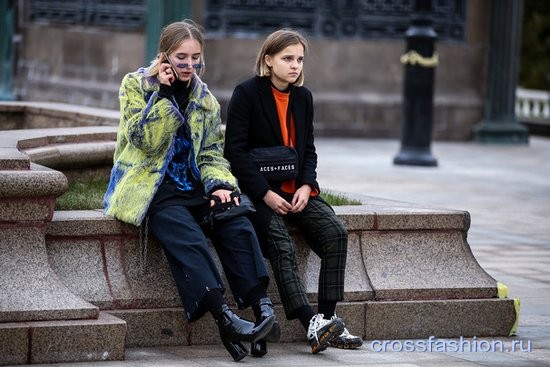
(145, 144)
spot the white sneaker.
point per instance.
(346, 340)
(321, 332)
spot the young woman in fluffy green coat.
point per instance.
(168, 169)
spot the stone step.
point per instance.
(410, 273)
(372, 320)
(73, 155)
(62, 341)
(47, 115)
(446, 318)
(169, 326)
(13, 159)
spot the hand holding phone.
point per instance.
(167, 75)
(174, 70)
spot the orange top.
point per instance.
(281, 101)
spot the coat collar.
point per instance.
(198, 94)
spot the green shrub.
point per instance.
(338, 199)
(83, 194)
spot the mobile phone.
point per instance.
(174, 70)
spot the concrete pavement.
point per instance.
(505, 188)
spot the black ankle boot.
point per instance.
(259, 348)
(236, 349)
(262, 310)
(234, 328)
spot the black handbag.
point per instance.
(279, 163)
(222, 212)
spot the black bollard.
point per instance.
(420, 61)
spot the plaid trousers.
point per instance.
(326, 236)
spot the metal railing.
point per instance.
(125, 14)
(532, 104)
(351, 19)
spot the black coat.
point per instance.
(252, 121)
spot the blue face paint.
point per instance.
(194, 66)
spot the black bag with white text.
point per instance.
(276, 164)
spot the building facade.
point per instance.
(77, 51)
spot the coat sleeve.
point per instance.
(214, 168)
(149, 125)
(309, 170)
(237, 136)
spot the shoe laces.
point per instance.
(316, 323)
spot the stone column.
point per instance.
(6, 49)
(159, 14)
(500, 124)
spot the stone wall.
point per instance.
(357, 84)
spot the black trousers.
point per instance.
(186, 247)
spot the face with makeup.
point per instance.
(183, 61)
(286, 65)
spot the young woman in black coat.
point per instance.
(274, 109)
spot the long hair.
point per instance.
(172, 37)
(275, 43)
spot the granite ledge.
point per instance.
(64, 137)
(73, 155)
(85, 223)
(355, 217)
(392, 215)
(56, 111)
(36, 182)
(12, 159)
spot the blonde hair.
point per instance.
(275, 43)
(172, 36)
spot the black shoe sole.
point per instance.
(324, 339)
(344, 345)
